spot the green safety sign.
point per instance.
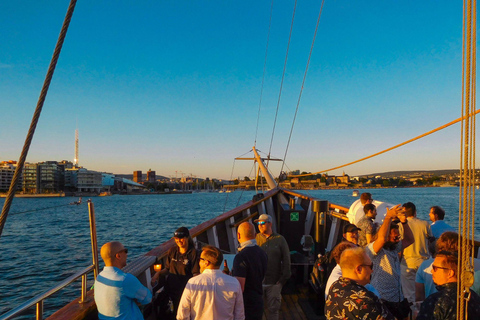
(294, 216)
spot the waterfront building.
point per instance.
(50, 175)
(89, 181)
(31, 183)
(151, 176)
(7, 170)
(137, 176)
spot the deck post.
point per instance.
(93, 236)
(320, 207)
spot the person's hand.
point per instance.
(402, 217)
(155, 278)
(393, 212)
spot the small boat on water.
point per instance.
(355, 193)
(105, 194)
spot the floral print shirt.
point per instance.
(442, 305)
(349, 300)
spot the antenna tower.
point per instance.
(75, 161)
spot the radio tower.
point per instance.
(75, 161)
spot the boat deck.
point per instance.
(295, 306)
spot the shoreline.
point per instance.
(76, 195)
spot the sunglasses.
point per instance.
(261, 223)
(180, 235)
(123, 250)
(204, 259)
(368, 265)
(434, 267)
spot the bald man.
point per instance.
(116, 292)
(249, 267)
(349, 290)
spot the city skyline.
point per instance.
(176, 86)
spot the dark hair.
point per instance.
(339, 248)
(393, 225)
(214, 255)
(451, 260)
(439, 212)
(364, 197)
(448, 241)
(410, 209)
(369, 207)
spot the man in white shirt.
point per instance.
(212, 294)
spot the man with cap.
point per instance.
(278, 265)
(350, 233)
(181, 264)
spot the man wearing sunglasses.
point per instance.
(442, 305)
(116, 292)
(348, 296)
(278, 265)
(212, 294)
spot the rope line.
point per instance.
(36, 115)
(467, 161)
(391, 148)
(283, 77)
(28, 211)
(264, 71)
(303, 84)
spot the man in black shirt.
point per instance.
(249, 267)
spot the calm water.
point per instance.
(39, 248)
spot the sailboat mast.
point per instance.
(272, 184)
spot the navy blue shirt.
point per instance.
(251, 264)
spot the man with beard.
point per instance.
(385, 252)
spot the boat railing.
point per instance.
(38, 300)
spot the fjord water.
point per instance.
(40, 248)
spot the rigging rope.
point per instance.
(28, 211)
(303, 83)
(264, 69)
(392, 148)
(465, 271)
(283, 77)
(36, 115)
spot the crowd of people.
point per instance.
(411, 264)
(195, 285)
(402, 268)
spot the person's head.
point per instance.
(245, 232)
(393, 237)
(350, 233)
(409, 209)
(210, 258)
(448, 241)
(114, 254)
(264, 223)
(436, 213)
(445, 268)
(356, 265)
(339, 248)
(370, 210)
(365, 198)
(183, 239)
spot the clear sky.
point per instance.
(175, 85)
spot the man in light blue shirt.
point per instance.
(436, 215)
(116, 292)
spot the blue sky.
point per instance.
(175, 85)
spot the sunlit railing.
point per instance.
(38, 300)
